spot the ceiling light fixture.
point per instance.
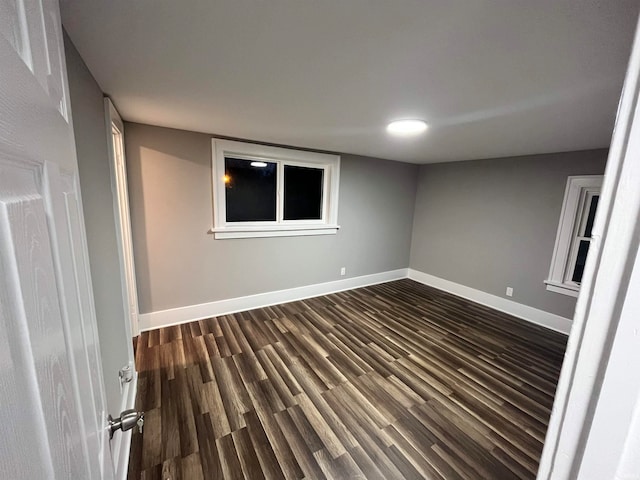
(407, 127)
(258, 164)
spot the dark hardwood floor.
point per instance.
(392, 381)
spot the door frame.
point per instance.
(122, 214)
(120, 444)
(588, 403)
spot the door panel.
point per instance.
(17, 405)
(19, 397)
(56, 85)
(87, 331)
(13, 28)
(34, 306)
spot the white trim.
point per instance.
(330, 164)
(525, 312)
(564, 288)
(121, 443)
(122, 220)
(174, 316)
(572, 219)
(274, 231)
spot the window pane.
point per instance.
(583, 249)
(302, 193)
(592, 215)
(250, 190)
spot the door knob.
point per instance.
(126, 421)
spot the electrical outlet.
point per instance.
(343, 271)
(509, 292)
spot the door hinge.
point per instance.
(125, 375)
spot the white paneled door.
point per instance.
(52, 403)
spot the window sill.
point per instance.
(563, 288)
(276, 231)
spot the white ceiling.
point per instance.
(493, 78)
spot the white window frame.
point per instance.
(575, 209)
(327, 225)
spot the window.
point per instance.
(262, 191)
(574, 234)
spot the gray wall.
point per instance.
(179, 264)
(95, 182)
(489, 224)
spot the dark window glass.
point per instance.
(583, 249)
(302, 193)
(250, 191)
(592, 215)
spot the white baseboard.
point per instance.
(533, 315)
(121, 442)
(174, 316)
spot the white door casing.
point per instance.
(51, 389)
(115, 134)
(115, 138)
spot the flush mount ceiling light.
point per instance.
(407, 127)
(258, 164)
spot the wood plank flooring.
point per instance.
(392, 381)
